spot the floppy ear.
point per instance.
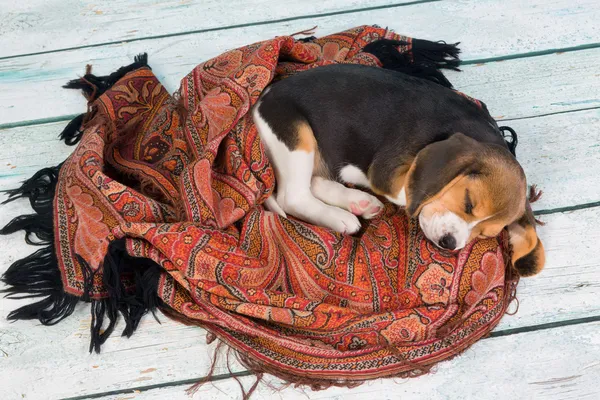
(528, 251)
(437, 165)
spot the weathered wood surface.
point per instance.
(39, 25)
(561, 363)
(559, 152)
(547, 149)
(567, 289)
(486, 29)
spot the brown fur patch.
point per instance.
(444, 172)
(497, 192)
(528, 251)
(306, 142)
(398, 181)
(435, 200)
(320, 168)
(306, 139)
(494, 210)
(488, 229)
(523, 240)
(533, 262)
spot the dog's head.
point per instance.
(462, 189)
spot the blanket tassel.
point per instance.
(93, 87)
(132, 304)
(425, 59)
(37, 275)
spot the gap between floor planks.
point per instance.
(69, 117)
(582, 222)
(560, 166)
(83, 23)
(417, 22)
(479, 62)
(224, 28)
(222, 377)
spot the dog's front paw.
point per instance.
(366, 206)
(344, 222)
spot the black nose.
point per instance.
(448, 242)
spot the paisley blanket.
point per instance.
(159, 206)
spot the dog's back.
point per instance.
(356, 111)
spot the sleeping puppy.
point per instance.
(414, 142)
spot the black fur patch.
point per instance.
(372, 117)
(283, 118)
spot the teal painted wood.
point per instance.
(566, 289)
(573, 74)
(559, 364)
(35, 26)
(487, 28)
(560, 153)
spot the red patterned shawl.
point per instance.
(160, 206)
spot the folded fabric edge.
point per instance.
(94, 86)
(38, 274)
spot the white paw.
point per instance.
(272, 205)
(364, 205)
(342, 221)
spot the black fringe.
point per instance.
(132, 305)
(33, 225)
(93, 87)
(99, 335)
(37, 275)
(427, 58)
(39, 189)
(307, 39)
(511, 138)
(437, 54)
(72, 133)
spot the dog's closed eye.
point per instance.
(468, 204)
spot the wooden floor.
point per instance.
(535, 63)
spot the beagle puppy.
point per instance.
(411, 141)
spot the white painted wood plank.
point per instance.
(513, 26)
(552, 364)
(561, 154)
(39, 25)
(30, 87)
(567, 289)
(558, 152)
(25, 150)
(534, 86)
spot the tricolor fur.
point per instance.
(411, 141)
